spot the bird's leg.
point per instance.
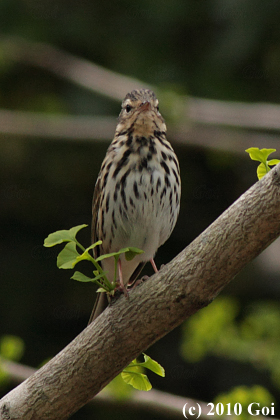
(120, 273)
(122, 286)
(154, 265)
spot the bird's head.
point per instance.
(140, 111)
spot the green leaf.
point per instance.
(137, 380)
(100, 276)
(132, 252)
(112, 254)
(260, 155)
(11, 347)
(153, 366)
(261, 171)
(118, 389)
(273, 162)
(107, 285)
(101, 290)
(85, 279)
(67, 257)
(60, 236)
(82, 257)
(81, 277)
(86, 255)
(93, 245)
(129, 252)
(133, 375)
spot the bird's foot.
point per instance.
(137, 282)
(119, 289)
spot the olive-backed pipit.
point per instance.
(137, 194)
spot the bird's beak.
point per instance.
(145, 106)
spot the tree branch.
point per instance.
(115, 86)
(237, 114)
(78, 70)
(88, 128)
(209, 124)
(64, 127)
(156, 401)
(129, 326)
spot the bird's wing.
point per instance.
(101, 300)
(100, 305)
(95, 207)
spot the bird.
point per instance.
(136, 199)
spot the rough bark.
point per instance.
(129, 326)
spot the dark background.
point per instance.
(227, 50)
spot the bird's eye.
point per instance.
(157, 108)
(128, 108)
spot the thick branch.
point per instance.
(129, 326)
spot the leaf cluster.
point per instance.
(261, 155)
(69, 257)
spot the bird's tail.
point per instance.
(99, 306)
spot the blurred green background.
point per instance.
(218, 49)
